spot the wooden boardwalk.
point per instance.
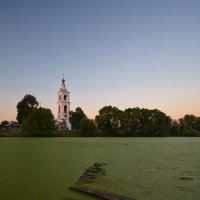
(100, 194)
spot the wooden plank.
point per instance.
(100, 194)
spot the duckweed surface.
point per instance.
(143, 168)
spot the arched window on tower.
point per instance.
(59, 97)
(65, 97)
(59, 109)
(65, 109)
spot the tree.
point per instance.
(145, 126)
(197, 124)
(40, 122)
(191, 132)
(136, 121)
(129, 123)
(3, 123)
(108, 120)
(75, 118)
(175, 128)
(190, 121)
(190, 125)
(161, 123)
(87, 127)
(25, 106)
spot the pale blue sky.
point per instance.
(123, 53)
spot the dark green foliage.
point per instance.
(161, 123)
(190, 125)
(108, 120)
(87, 127)
(133, 122)
(136, 121)
(175, 129)
(25, 106)
(190, 132)
(40, 122)
(3, 123)
(75, 118)
(11, 134)
(129, 122)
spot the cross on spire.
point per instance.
(63, 80)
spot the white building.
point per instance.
(63, 107)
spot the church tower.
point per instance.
(63, 105)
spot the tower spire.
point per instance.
(63, 80)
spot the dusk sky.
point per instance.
(124, 53)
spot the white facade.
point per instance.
(63, 105)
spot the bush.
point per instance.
(40, 122)
(191, 132)
(87, 127)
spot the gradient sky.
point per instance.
(125, 53)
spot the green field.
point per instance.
(144, 168)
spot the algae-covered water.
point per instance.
(144, 168)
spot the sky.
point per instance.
(124, 53)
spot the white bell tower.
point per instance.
(63, 105)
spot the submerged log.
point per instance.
(186, 178)
(93, 172)
(100, 194)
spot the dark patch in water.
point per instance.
(186, 178)
(93, 172)
(184, 188)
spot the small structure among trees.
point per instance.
(62, 126)
(13, 127)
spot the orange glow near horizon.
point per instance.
(177, 113)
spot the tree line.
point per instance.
(136, 122)
(110, 121)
